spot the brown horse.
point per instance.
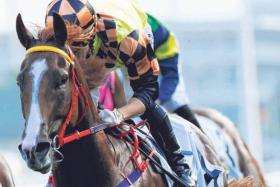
(247, 163)
(6, 178)
(57, 109)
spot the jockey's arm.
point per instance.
(132, 108)
(143, 70)
(166, 49)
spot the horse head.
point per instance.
(46, 88)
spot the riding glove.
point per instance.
(109, 116)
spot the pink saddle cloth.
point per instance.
(106, 92)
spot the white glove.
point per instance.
(111, 116)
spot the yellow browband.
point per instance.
(43, 48)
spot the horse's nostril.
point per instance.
(43, 148)
(23, 153)
(26, 154)
(20, 147)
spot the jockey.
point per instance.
(172, 94)
(116, 33)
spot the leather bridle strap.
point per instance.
(61, 131)
(91, 131)
(78, 91)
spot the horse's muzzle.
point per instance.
(37, 158)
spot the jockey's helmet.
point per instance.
(77, 12)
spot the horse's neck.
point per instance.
(95, 66)
(87, 162)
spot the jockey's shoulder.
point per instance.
(119, 16)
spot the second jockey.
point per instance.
(172, 94)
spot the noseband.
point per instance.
(79, 90)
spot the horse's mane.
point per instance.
(73, 33)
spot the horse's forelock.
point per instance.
(73, 33)
(45, 34)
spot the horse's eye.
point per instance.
(64, 78)
(62, 82)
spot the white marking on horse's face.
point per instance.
(34, 120)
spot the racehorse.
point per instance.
(62, 129)
(210, 120)
(6, 178)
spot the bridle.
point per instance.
(79, 90)
(60, 139)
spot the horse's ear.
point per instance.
(25, 37)
(60, 31)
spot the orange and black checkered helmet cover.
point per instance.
(77, 12)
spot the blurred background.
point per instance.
(230, 51)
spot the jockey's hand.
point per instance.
(115, 116)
